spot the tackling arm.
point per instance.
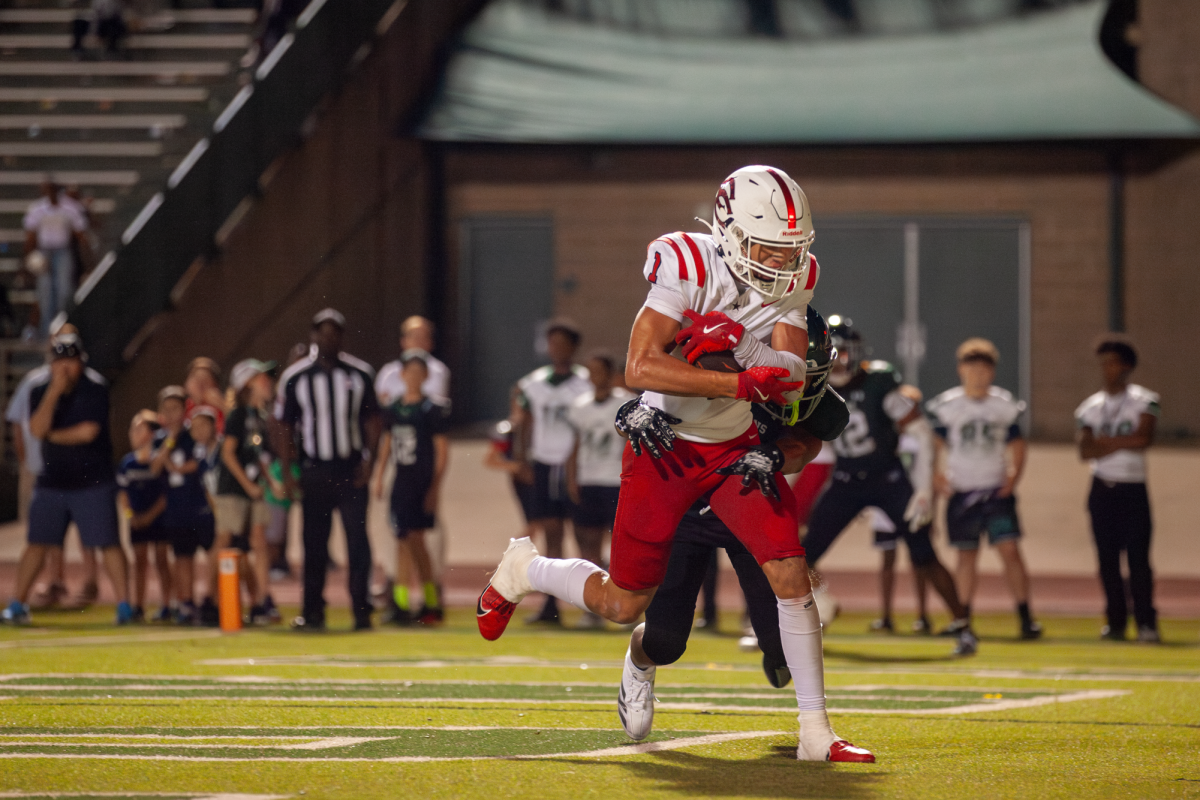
(650, 366)
(788, 348)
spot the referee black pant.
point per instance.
(1121, 522)
(672, 611)
(326, 487)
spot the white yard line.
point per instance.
(626, 750)
(78, 641)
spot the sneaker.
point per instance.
(955, 627)
(706, 624)
(185, 614)
(138, 615)
(363, 623)
(882, 626)
(921, 626)
(431, 616)
(1148, 635)
(967, 644)
(748, 643)
(127, 613)
(818, 742)
(165, 614)
(399, 617)
(778, 675)
(508, 586)
(48, 597)
(1031, 630)
(635, 700)
(843, 752)
(258, 616)
(308, 626)
(272, 611)
(210, 616)
(87, 595)
(17, 613)
(1112, 635)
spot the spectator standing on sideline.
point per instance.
(50, 227)
(203, 387)
(594, 467)
(414, 441)
(71, 419)
(1116, 426)
(188, 518)
(327, 402)
(546, 394)
(241, 507)
(279, 500)
(143, 499)
(416, 333)
(978, 429)
(507, 454)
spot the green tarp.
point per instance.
(522, 75)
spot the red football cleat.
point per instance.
(493, 612)
(843, 751)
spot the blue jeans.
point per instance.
(55, 286)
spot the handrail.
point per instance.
(181, 222)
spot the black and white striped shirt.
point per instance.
(327, 408)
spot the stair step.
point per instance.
(114, 68)
(81, 178)
(85, 121)
(100, 205)
(225, 16)
(99, 94)
(81, 149)
(163, 41)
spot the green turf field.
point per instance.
(89, 710)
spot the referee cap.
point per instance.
(978, 349)
(246, 369)
(329, 315)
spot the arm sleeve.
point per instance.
(750, 352)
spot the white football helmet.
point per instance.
(762, 205)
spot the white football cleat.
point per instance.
(818, 742)
(511, 578)
(635, 700)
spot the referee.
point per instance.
(327, 408)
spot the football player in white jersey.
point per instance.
(1116, 426)
(545, 395)
(594, 468)
(744, 288)
(979, 433)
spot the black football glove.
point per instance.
(646, 426)
(759, 463)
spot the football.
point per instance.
(719, 362)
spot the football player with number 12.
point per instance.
(744, 288)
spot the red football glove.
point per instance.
(711, 333)
(762, 385)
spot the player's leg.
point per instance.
(887, 590)
(591, 520)
(317, 509)
(767, 528)
(352, 507)
(966, 573)
(708, 590)
(763, 611)
(834, 510)
(1106, 530)
(653, 499)
(921, 588)
(259, 516)
(430, 613)
(1138, 530)
(54, 589)
(162, 567)
(91, 575)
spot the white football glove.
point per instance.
(920, 510)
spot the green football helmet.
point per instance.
(821, 355)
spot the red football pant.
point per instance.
(656, 493)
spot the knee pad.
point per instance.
(662, 646)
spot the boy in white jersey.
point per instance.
(1116, 425)
(983, 453)
(743, 288)
(594, 468)
(545, 395)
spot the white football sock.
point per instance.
(564, 578)
(800, 633)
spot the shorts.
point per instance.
(656, 493)
(241, 542)
(237, 514)
(186, 540)
(886, 536)
(277, 524)
(524, 493)
(93, 509)
(154, 532)
(969, 515)
(408, 506)
(846, 497)
(549, 500)
(597, 506)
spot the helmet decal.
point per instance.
(787, 196)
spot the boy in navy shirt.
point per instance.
(188, 519)
(414, 438)
(143, 499)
